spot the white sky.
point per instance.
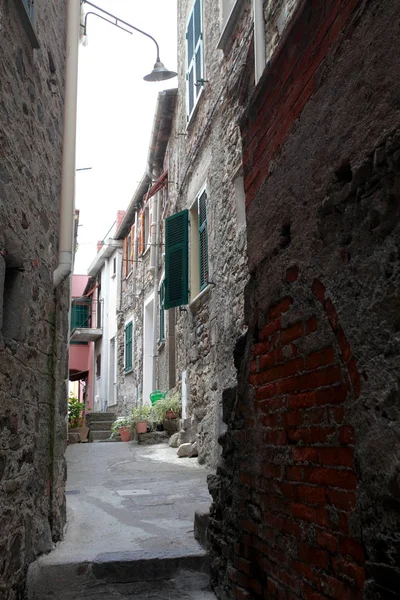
(115, 112)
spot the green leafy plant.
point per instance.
(165, 405)
(143, 412)
(75, 412)
(124, 421)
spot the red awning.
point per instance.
(157, 186)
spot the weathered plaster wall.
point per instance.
(33, 349)
(306, 498)
(208, 152)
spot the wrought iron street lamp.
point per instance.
(159, 72)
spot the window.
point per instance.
(162, 310)
(198, 245)
(114, 267)
(141, 232)
(128, 347)
(177, 253)
(98, 365)
(195, 58)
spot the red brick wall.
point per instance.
(288, 84)
(298, 490)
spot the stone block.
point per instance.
(174, 440)
(187, 450)
(184, 450)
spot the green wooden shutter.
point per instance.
(128, 347)
(203, 240)
(194, 48)
(176, 260)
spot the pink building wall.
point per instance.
(81, 358)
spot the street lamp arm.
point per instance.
(116, 23)
(104, 19)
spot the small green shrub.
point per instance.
(173, 403)
(75, 412)
(125, 421)
(143, 412)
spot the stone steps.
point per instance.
(100, 424)
(170, 575)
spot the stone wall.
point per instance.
(306, 494)
(34, 320)
(207, 151)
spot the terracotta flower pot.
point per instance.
(170, 414)
(141, 427)
(125, 433)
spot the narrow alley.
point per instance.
(130, 513)
(199, 258)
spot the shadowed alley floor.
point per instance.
(130, 527)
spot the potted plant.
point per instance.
(76, 419)
(122, 425)
(168, 408)
(143, 417)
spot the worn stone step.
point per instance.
(153, 437)
(99, 435)
(170, 575)
(101, 425)
(99, 416)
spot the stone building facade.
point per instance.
(306, 495)
(205, 176)
(33, 316)
(195, 158)
(144, 354)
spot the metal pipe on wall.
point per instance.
(67, 203)
(156, 224)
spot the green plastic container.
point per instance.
(156, 396)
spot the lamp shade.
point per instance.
(159, 73)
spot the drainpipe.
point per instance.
(155, 241)
(65, 248)
(259, 39)
(135, 254)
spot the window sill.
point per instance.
(128, 371)
(204, 294)
(129, 274)
(161, 344)
(226, 34)
(27, 24)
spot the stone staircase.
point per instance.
(100, 424)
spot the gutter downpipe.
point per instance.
(67, 203)
(155, 239)
(135, 254)
(259, 39)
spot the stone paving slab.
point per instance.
(130, 524)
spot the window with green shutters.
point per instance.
(162, 311)
(176, 260)
(128, 347)
(195, 59)
(203, 240)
